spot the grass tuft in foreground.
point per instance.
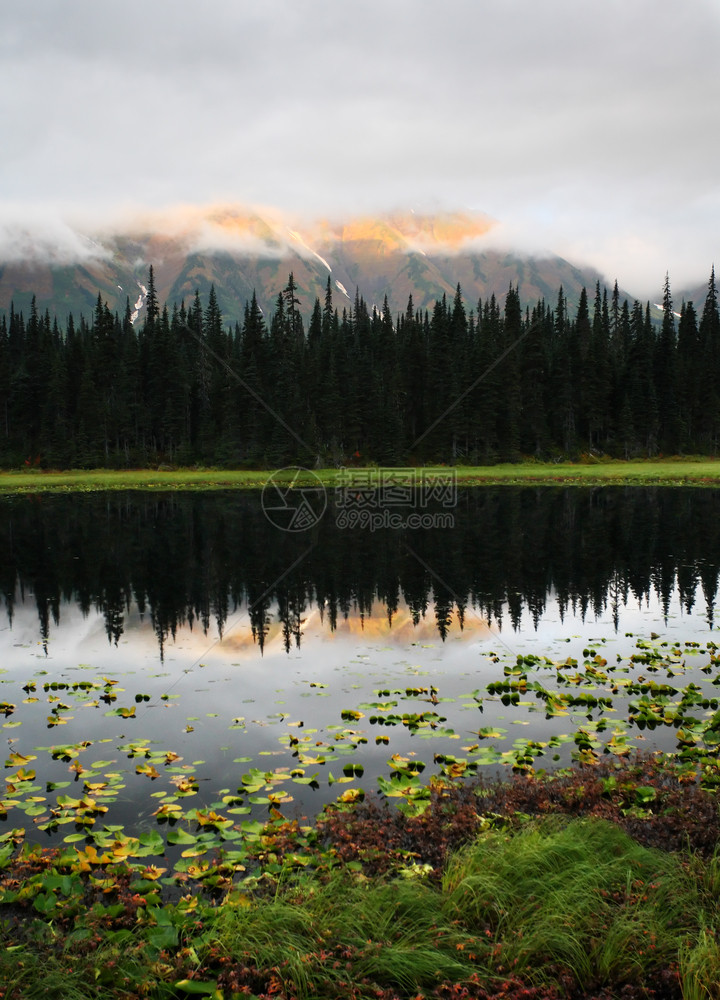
(551, 909)
(563, 908)
(528, 889)
(582, 897)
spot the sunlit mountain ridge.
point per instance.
(241, 250)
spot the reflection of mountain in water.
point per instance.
(194, 557)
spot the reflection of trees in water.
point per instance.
(194, 558)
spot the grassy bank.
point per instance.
(667, 472)
(529, 889)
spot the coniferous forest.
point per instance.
(319, 386)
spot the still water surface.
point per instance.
(236, 646)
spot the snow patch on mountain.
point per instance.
(339, 285)
(296, 236)
(659, 307)
(141, 299)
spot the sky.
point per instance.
(585, 129)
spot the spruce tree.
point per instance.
(255, 372)
(708, 369)
(533, 379)
(509, 369)
(666, 378)
(688, 354)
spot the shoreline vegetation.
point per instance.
(597, 882)
(602, 472)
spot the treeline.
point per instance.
(452, 385)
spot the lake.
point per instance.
(173, 655)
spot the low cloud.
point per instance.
(27, 235)
(209, 236)
(240, 230)
(637, 256)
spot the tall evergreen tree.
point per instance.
(666, 378)
(687, 359)
(509, 370)
(708, 370)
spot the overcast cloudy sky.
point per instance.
(588, 128)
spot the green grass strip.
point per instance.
(670, 472)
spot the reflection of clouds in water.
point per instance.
(76, 638)
(82, 639)
(402, 629)
(367, 628)
(638, 618)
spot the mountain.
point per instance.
(697, 295)
(242, 250)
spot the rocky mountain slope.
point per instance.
(240, 250)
